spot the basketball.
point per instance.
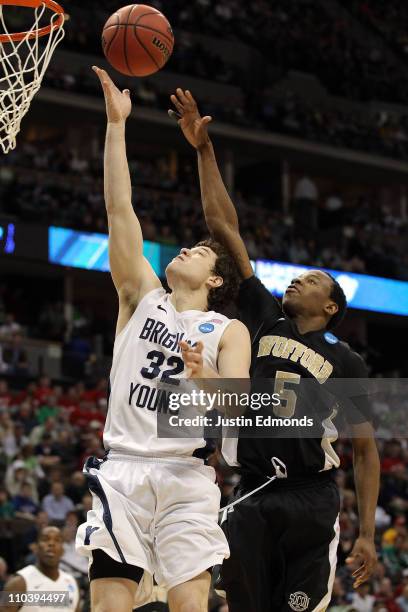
(137, 40)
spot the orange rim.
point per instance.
(53, 6)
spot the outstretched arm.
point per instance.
(219, 211)
(132, 274)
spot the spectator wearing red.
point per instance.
(44, 389)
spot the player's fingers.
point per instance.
(361, 579)
(99, 74)
(126, 92)
(359, 571)
(199, 347)
(177, 104)
(184, 345)
(190, 97)
(103, 75)
(206, 120)
(173, 115)
(182, 96)
(191, 357)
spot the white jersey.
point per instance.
(36, 581)
(146, 357)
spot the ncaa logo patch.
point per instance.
(330, 338)
(299, 601)
(216, 321)
(206, 328)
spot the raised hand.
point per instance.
(118, 103)
(193, 359)
(194, 126)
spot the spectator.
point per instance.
(49, 408)
(305, 204)
(15, 356)
(77, 487)
(47, 451)
(16, 475)
(23, 503)
(362, 601)
(9, 328)
(56, 504)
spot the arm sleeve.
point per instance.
(257, 305)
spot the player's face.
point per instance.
(193, 267)
(309, 294)
(50, 547)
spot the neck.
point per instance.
(309, 324)
(51, 572)
(186, 299)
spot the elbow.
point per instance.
(115, 205)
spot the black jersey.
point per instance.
(278, 349)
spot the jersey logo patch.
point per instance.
(161, 308)
(299, 601)
(216, 321)
(330, 338)
(206, 328)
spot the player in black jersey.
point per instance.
(284, 538)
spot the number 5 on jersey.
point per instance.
(289, 396)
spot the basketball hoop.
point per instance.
(23, 62)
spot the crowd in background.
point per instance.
(388, 17)
(39, 183)
(381, 133)
(320, 42)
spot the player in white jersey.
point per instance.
(155, 505)
(43, 579)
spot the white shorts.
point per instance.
(160, 514)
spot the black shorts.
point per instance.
(103, 566)
(283, 545)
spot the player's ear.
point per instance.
(331, 308)
(213, 282)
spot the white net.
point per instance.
(22, 68)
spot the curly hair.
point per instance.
(220, 297)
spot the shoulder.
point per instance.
(354, 364)
(17, 582)
(236, 333)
